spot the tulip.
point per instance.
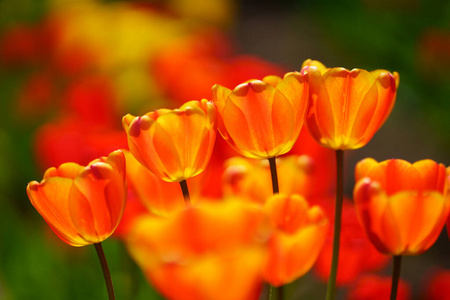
(402, 206)
(83, 205)
(262, 119)
(173, 144)
(206, 251)
(346, 108)
(299, 234)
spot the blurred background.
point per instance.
(69, 70)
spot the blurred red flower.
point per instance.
(437, 286)
(374, 287)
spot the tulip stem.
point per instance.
(276, 292)
(273, 172)
(331, 288)
(395, 276)
(185, 190)
(105, 269)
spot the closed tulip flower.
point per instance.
(173, 144)
(83, 205)
(346, 108)
(402, 206)
(262, 119)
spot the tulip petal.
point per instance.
(66, 170)
(320, 118)
(360, 134)
(364, 167)
(433, 175)
(387, 90)
(219, 98)
(50, 200)
(88, 205)
(375, 215)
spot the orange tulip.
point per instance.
(346, 108)
(83, 205)
(300, 233)
(173, 144)
(207, 251)
(262, 119)
(402, 207)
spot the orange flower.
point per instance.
(173, 144)
(83, 205)
(207, 251)
(346, 108)
(300, 232)
(262, 119)
(403, 207)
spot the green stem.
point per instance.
(395, 276)
(280, 292)
(271, 292)
(273, 173)
(185, 190)
(105, 269)
(331, 288)
(274, 292)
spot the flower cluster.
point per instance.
(217, 197)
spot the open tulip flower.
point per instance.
(346, 108)
(173, 144)
(83, 205)
(402, 206)
(262, 119)
(299, 234)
